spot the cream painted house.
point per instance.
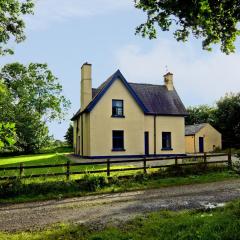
(201, 138)
(123, 119)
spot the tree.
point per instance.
(213, 21)
(32, 132)
(200, 114)
(228, 119)
(36, 98)
(69, 135)
(36, 89)
(12, 24)
(7, 129)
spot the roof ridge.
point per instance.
(146, 84)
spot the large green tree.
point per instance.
(228, 119)
(36, 89)
(36, 99)
(200, 114)
(11, 22)
(211, 20)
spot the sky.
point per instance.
(66, 33)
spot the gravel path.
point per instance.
(105, 208)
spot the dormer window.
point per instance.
(117, 108)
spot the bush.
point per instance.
(141, 177)
(10, 188)
(92, 183)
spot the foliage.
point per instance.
(225, 117)
(91, 183)
(200, 114)
(7, 134)
(228, 119)
(36, 89)
(214, 22)
(34, 98)
(32, 132)
(7, 129)
(12, 23)
(69, 135)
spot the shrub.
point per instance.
(141, 177)
(92, 183)
(10, 188)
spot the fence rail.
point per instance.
(109, 162)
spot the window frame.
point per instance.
(164, 140)
(118, 116)
(115, 148)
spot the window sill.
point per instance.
(166, 149)
(118, 150)
(116, 116)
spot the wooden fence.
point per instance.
(109, 162)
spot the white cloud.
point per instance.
(198, 79)
(48, 12)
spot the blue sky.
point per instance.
(67, 33)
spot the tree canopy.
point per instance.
(7, 129)
(35, 88)
(213, 21)
(69, 135)
(34, 98)
(225, 117)
(12, 24)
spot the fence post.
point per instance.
(230, 159)
(108, 167)
(176, 161)
(68, 170)
(205, 160)
(144, 166)
(21, 169)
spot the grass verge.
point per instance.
(21, 191)
(221, 223)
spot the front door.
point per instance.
(146, 143)
(201, 144)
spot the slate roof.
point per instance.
(193, 129)
(158, 100)
(153, 99)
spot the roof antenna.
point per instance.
(166, 67)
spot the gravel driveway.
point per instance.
(117, 207)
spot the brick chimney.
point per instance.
(168, 81)
(86, 85)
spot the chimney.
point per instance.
(168, 81)
(86, 85)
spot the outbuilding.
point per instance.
(201, 138)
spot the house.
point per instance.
(123, 119)
(201, 138)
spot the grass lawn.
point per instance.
(43, 188)
(26, 191)
(221, 223)
(50, 158)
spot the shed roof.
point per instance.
(193, 129)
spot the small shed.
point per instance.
(201, 138)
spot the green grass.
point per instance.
(33, 159)
(50, 158)
(221, 223)
(25, 191)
